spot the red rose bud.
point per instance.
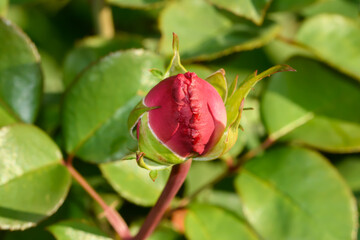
(185, 116)
(191, 116)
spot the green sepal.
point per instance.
(218, 81)
(157, 73)
(130, 156)
(234, 100)
(175, 67)
(136, 114)
(157, 156)
(232, 87)
(227, 140)
(153, 175)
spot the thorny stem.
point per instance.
(176, 179)
(114, 218)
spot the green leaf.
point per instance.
(41, 27)
(3, 7)
(315, 106)
(49, 115)
(242, 64)
(97, 106)
(38, 233)
(53, 4)
(349, 168)
(163, 231)
(133, 182)
(286, 5)
(335, 40)
(279, 51)
(91, 49)
(294, 193)
(33, 182)
(201, 173)
(224, 199)
(136, 3)
(53, 82)
(210, 222)
(345, 8)
(20, 76)
(73, 230)
(206, 33)
(251, 9)
(218, 81)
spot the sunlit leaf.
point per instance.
(96, 107)
(335, 40)
(133, 182)
(33, 182)
(20, 76)
(345, 8)
(251, 9)
(349, 168)
(294, 193)
(314, 106)
(91, 49)
(205, 33)
(136, 3)
(71, 230)
(210, 222)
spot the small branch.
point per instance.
(176, 179)
(252, 153)
(231, 170)
(114, 218)
(103, 19)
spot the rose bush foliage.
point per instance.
(68, 87)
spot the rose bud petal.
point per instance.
(186, 117)
(190, 116)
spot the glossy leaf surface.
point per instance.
(97, 105)
(133, 182)
(251, 9)
(33, 182)
(201, 42)
(136, 3)
(91, 49)
(209, 222)
(294, 193)
(315, 106)
(20, 76)
(325, 35)
(71, 230)
(349, 168)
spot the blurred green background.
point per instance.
(76, 68)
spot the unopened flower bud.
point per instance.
(185, 116)
(190, 117)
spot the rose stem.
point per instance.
(176, 179)
(114, 218)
